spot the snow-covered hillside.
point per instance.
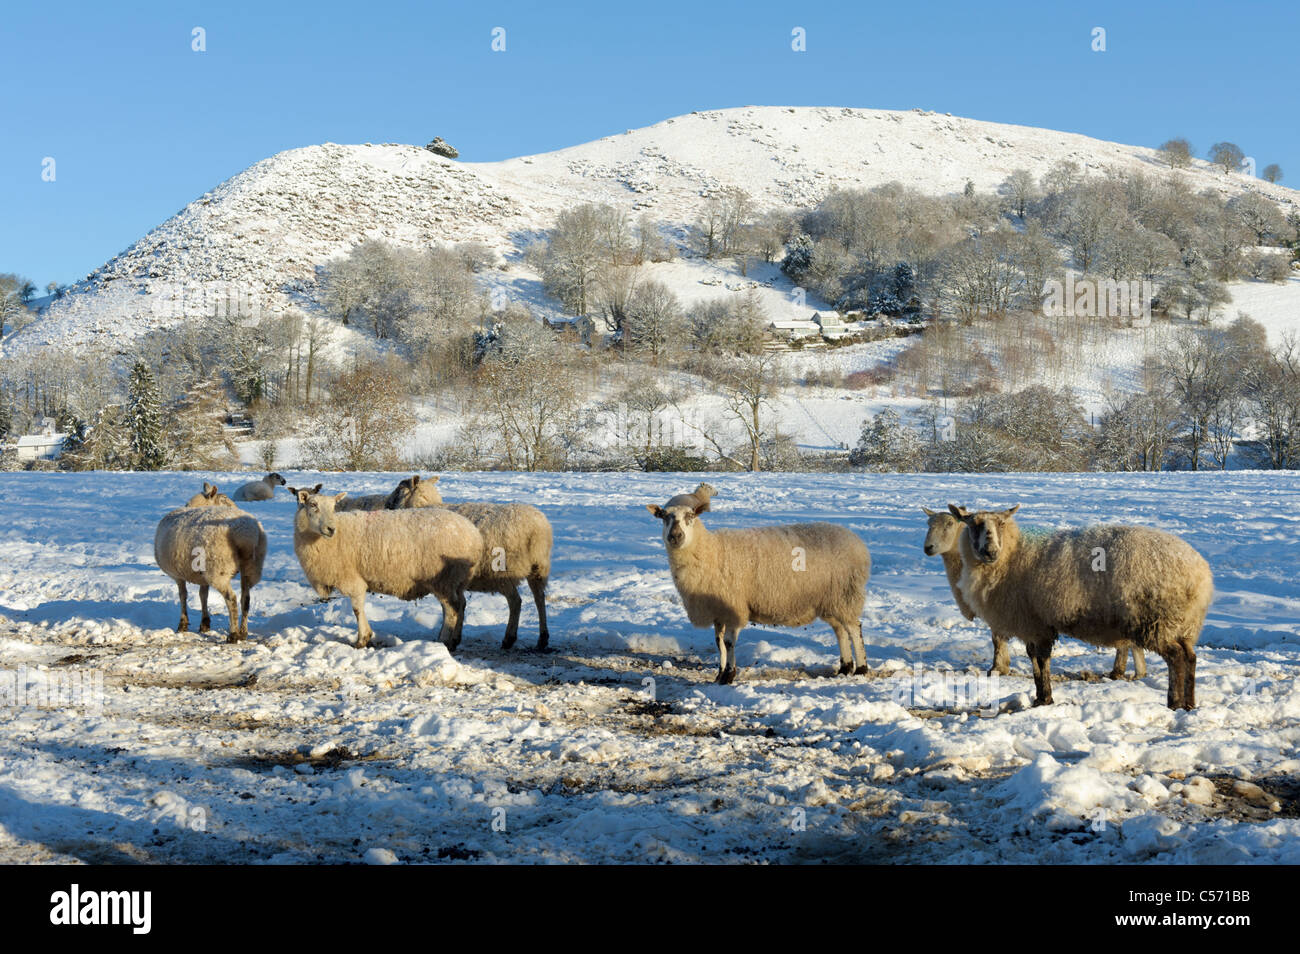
(259, 237)
(295, 747)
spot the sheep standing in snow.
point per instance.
(1106, 585)
(516, 547)
(263, 489)
(407, 555)
(781, 576)
(942, 539)
(207, 542)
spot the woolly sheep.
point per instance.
(1105, 585)
(207, 542)
(779, 575)
(516, 546)
(263, 489)
(407, 555)
(942, 539)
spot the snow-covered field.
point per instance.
(616, 746)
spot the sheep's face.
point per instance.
(681, 523)
(275, 480)
(210, 497)
(988, 531)
(414, 492)
(316, 513)
(942, 532)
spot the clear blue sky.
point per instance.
(139, 124)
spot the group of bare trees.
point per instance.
(1228, 156)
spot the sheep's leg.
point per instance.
(1121, 660)
(718, 631)
(538, 586)
(453, 619)
(1139, 663)
(1189, 698)
(727, 675)
(184, 624)
(245, 597)
(1001, 656)
(511, 593)
(846, 648)
(855, 632)
(1041, 654)
(364, 632)
(205, 621)
(232, 608)
(1177, 676)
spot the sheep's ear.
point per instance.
(1007, 513)
(700, 507)
(961, 513)
(655, 509)
(339, 496)
(929, 513)
(317, 488)
(302, 495)
(413, 480)
(209, 490)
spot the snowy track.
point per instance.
(296, 747)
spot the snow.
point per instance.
(617, 746)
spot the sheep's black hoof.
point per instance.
(234, 638)
(205, 626)
(726, 677)
(508, 642)
(543, 647)
(183, 626)
(846, 669)
(1042, 702)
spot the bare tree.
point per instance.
(1177, 152)
(364, 422)
(1227, 155)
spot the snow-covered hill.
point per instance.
(259, 237)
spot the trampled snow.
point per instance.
(617, 746)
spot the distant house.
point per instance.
(581, 327)
(794, 329)
(832, 325)
(47, 445)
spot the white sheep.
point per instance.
(781, 576)
(263, 489)
(1105, 585)
(942, 538)
(407, 555)
(516, 547)
(207, 542)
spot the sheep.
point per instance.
(209, 497)
(407, 555)
(941, 538)
(207, 542)
(1105, 584)
(263, 489)
(702, 494)
(516, 546)
(778, 575)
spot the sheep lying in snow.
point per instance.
(207, 542)
(1105, 585)
(516, 546)
(941, 538)
(781, 576)
(263, 489)
(701, 495)
(407, 555)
